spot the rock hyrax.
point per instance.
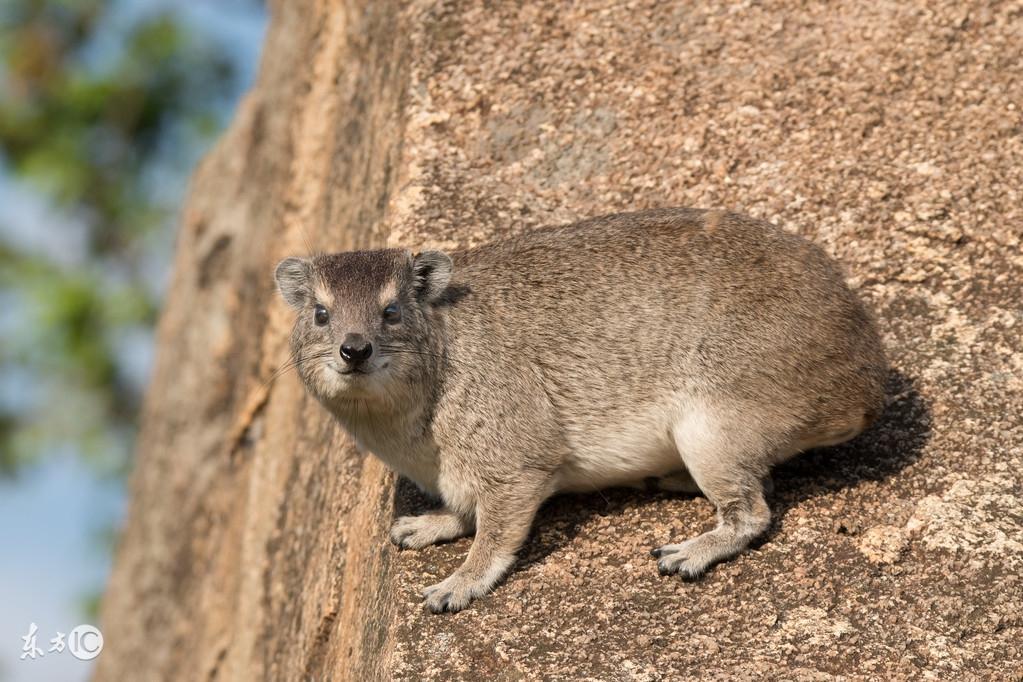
(698, 347)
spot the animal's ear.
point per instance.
(294, 280)
(431, 272)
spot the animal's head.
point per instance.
(365, 319)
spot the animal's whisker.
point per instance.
(395, 350)
(284, 370)
(294, 362)
(412, 352)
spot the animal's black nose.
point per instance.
(356, 349)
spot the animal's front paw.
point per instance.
(452, 594)
(413, 532)
(416, 532)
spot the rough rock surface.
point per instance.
(891, 133)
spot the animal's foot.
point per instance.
(692, 558)
(453, 593)
(672, 559)
(416, 532)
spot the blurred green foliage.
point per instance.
(97, 128)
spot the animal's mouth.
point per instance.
(359, 371)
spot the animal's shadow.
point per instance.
(895, 441)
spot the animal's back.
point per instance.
(633, 322)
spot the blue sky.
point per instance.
(49, 521)
(52, 514)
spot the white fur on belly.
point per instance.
(622, 453)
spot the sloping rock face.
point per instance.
(889, 133)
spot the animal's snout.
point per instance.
(355, 349)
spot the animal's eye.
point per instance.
(321, 315)
(392, 313)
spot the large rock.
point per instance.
(890, 133)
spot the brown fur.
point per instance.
(699, 347)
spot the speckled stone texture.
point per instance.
(888, 132)
(891, 134)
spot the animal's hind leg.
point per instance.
(728, 463)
